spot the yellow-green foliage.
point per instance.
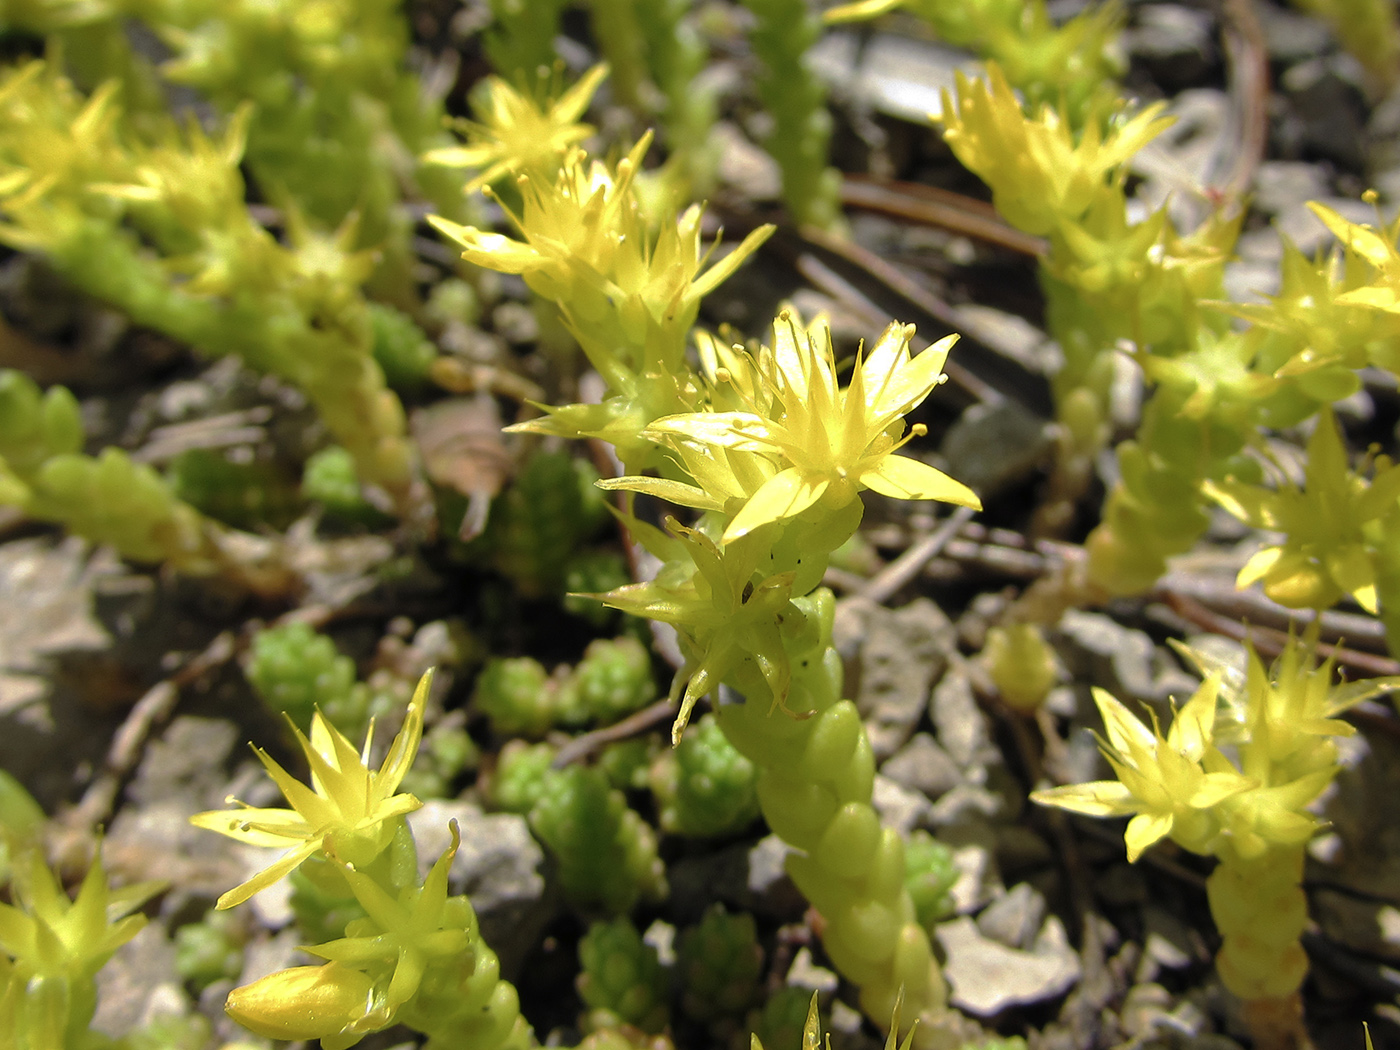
(161, 230)
(628, 293)
(51, 949)
(416, 957)
(107, 499)
(1069, 65)
(774, 451)
(1249, 810)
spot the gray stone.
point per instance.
(962, 726)
(964, 803)
(1290, 37)
(1331, 107)
(1368, 926)
(897, 75)
(903, 653)
(1097, 650)
(898, 807)
(804, 973)
(986, 977)
(996, 446)
(1176, 42)
(1015, 918)
(921, 765)
(139, 984)
(773, 891)
(1170, 943)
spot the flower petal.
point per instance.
(1100, 798)
(1144, 830)
(904, 478)
(784, 495)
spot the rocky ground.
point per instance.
(123, 701)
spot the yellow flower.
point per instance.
(519, 134)
(402, 936)
(1039, 175)
(729, 626)
(1171, 785)
(828, 442)
(1330, 526)
(305, 1002)
(349, 811)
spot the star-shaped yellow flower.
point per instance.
(1171, 784)
(1331, 526)
(518, 133)
(349, 811)
(830, 442)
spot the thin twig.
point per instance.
(643, 721)
(888, 581)
(128, 745)
(1249, 86)
(932, 206)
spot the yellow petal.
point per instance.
(1144, 830)
(256, 827)
(663, 488)
(1258, 566)
(1100, 798)
(262, 880)
(784, 495)
(904, 478)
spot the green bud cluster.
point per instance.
(783, 33)
(591, 572)
(704, 785)
(539, 522)
(627, 763)
(520, 697)
(929, 875)
(330, 479)
(614, 678)
(209, 950)
(621, 979)
(519, 780)
(401, 349)
(296, 670)
(520, 39)
(605, 853)
(782, 1019)
(244, 495)
(719, 963)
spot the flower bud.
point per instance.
(303, 1002)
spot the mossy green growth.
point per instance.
(297, 671)
(540, 522)
(719, 964)
(929, 875)
(605, 853)
(247, 495)
(706, 788)
(402, 350)
(621, 980)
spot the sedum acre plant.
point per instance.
(773, 450)
(51, 949)
(1233, 777)
(416, 956)
(161, 230)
